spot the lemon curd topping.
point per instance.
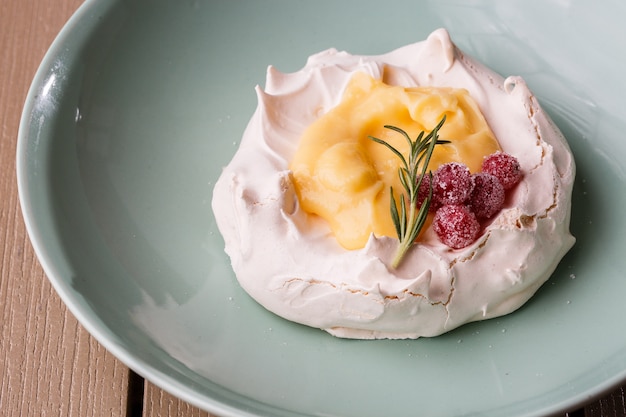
(345, 178)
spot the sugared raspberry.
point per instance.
(452, 184)
(487, 197)
(504, 167)
(456, 226)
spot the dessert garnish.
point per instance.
(408, 226)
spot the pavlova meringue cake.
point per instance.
(304, 205)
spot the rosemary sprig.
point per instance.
(408, 225)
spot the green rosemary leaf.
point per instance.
(403, 221)
(394, 212)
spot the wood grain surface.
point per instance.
(49, 364)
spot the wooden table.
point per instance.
(50, 366)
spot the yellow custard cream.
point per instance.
(344, 177)
(304, 204)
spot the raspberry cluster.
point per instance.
(461, 201)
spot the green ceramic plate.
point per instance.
(139, 104)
